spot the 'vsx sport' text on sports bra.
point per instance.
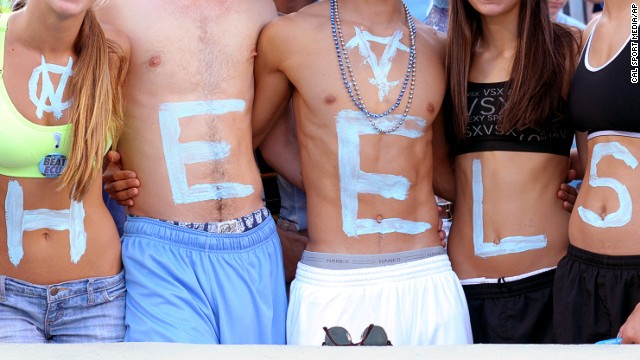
(484, 133)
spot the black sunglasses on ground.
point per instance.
(373, 335)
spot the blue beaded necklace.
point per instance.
(352, 85)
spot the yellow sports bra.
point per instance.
(27, 149)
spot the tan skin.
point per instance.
(293, 241)
(283, 133)
(124, 188)
(612, 31)
(284, 60)
(532, 211)
(49, 28)
(192, 64)
(123, 185)
(271, 151)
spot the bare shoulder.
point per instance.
(434, 40)
(588, 30)
(263, 11)
(115, 14)
(117, 36)
(291, 29)
(262, 5)
(110, 11)
(304, 20)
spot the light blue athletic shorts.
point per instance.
(190, 286)
(80, 311)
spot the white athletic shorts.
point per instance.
(417, 303)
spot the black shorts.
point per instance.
(594, 294)
(517, 312)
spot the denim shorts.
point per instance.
(79, 311)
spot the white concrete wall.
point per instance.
(162, 351)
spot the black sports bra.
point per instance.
(484, 133)
(605, 98)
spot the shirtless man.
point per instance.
(374, 253)
(201, 253)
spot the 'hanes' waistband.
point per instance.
(354, 261)
(429, 267)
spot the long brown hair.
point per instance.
(545, 56)
(97, 108)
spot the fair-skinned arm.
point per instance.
(280, 149)
(272, 124)
(272, 87)
(121, 185)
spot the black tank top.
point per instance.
(484, 133)
(605, 98)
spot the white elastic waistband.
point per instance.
(484, 280)
(613, 133)
(358, 261)
(370, 276)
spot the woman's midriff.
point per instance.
(49, 256)
(604, 219)
(518, 224)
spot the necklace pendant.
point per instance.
(350, 81)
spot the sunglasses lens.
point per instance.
(375, 337)
(337, 336)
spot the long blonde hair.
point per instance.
(97, 109)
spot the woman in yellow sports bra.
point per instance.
(61, 277)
